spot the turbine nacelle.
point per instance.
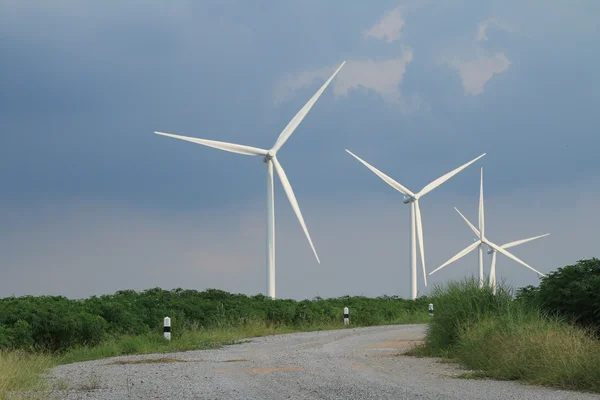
(408, 199)
(269, 156)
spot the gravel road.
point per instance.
(360, 363)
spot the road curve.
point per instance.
(361, 363)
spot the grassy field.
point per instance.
(497, 337)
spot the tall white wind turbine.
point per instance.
(415, 215)
(482, 240)
(270, 158)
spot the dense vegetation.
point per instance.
(532, 339)
(543, 335)
(571, 292)
(57, 324)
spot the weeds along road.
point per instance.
(360, 363)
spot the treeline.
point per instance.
(56, 323)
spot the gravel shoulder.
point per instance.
(361, 363)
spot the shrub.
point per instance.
(56, 323)
(571, 292)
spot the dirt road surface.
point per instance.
(362, 363)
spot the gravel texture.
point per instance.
(360, 363)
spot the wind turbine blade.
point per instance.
(234, 148)
(511, 256)
(294, 203)
(481, 211)
(420, 238)
(493, 269)
(518, 242)
(459, 255)
(383, 176)
(293, 124)
(475, 230)
(444, 178)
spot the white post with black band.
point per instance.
(167, 329)
(430, 309)
(346, 316)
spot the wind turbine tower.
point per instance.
(270, 159)
(416, 226)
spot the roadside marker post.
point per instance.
(346, 316)
(430, 310)
(167, 328)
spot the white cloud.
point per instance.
(482, 28)
(484, 25)
(477, 70)
(475, 73)
(388, 28)
(384, 77)
(288, 85)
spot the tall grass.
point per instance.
(460, 304)
(500, 338)
(532, 348)
(21, 371)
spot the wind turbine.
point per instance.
(482, 240)
(506, 246)
(492, 277)
(415, 215)
(270, 158)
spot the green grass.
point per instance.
(497, 337)
(189, 339)
(23, 371)
(534, 349)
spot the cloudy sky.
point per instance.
(91, 201)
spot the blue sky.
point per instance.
(92, 201)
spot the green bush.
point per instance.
(56, 323)
(572, 292)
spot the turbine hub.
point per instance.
(268, 157)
